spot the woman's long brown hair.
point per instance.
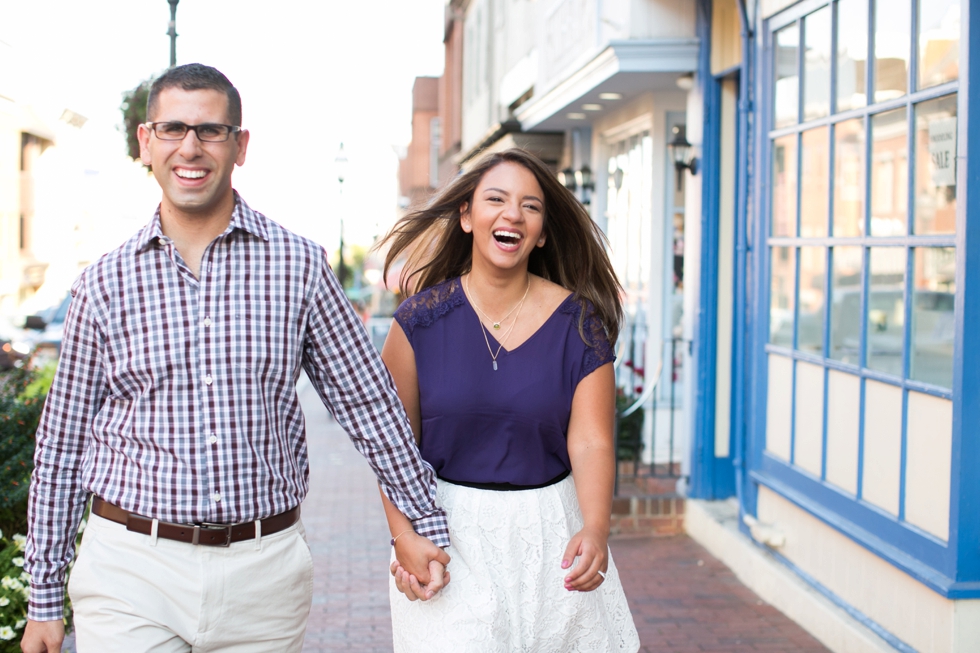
(573, 256)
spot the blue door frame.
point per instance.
(715, 477)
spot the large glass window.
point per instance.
(864, 221)
(863, 201)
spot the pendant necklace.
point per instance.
(483, 328)
(496, 323)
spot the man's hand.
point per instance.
(408, 584)
(42, 637)
(414, 553)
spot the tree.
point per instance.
(133, 108)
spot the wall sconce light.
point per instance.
(680, 149)
(583, 179)
(567, 179)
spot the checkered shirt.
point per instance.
(175, 397)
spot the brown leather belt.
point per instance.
(204, 533)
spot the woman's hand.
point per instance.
(409, 585)
(592, 550)
(414, 552)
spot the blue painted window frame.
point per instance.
(951, 568)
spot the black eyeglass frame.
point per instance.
(232, 129)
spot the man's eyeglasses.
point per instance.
(208, 132)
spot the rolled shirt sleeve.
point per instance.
(353, 382)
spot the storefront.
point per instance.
(853, 389)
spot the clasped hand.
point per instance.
(591, 549)
(419, 567)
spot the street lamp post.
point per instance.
(341, 162)
(172, 32)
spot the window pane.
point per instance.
(849, 178)
(939, 42)
(783, 271)
(893, 40)
(889, 173)
(845, 312)
(784, 186)
(787, 76)
(935, 166)
(813, 272)
(886, 309)
(814, 194)
(932, 315)
(852, 54)
(816, 64)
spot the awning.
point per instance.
(628, 67)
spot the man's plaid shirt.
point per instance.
(175, 397)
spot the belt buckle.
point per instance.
(208, 526)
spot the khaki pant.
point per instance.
(131, 594)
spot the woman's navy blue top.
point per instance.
(504, 427)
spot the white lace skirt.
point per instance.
(507, 586)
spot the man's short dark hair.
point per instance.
(196, 77)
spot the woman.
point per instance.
(503, 359)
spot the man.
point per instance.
(175, 406)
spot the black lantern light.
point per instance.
(567, 179)
(680, 149)
(583, 179)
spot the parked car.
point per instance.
(42, 334)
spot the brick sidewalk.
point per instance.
(682, 599)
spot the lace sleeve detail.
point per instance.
(424, 308)
(598, 350)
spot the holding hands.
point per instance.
(419, 567)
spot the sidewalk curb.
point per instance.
(714, 525)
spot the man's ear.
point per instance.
(242, 139)
(143, 136)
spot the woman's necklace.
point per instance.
(496, 323)
(483, 329)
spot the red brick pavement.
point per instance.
(683, 600)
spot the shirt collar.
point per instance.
(242, 217)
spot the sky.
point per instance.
(311, 75)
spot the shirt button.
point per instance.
(213, 438)
(162, 240)
(207, 321)
(217, 497)
(207, 379)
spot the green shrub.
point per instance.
(21, 401)
(14, 588)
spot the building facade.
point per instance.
(839, 132)
(798, 283)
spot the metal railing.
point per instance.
(631, 415)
